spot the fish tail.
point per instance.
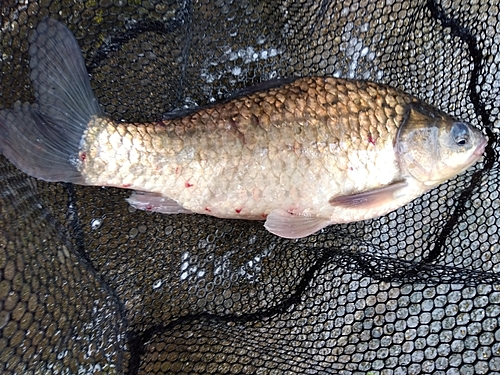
(43, 139)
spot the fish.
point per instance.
(301, 153)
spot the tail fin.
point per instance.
(43, 139)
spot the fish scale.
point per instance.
(311, 139)
(301, 153)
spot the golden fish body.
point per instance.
(293, 147)
(302, 154)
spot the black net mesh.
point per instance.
(90, 285)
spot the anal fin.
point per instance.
(287, 225)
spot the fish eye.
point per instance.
(460, 133)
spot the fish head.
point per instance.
(433, 147)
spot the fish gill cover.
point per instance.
(90, 285)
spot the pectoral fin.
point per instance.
(369, 199)
(155, 202)
(287, 225)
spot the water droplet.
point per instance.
(95, 224)
(157, 284)
(133, 232)
(236, 71)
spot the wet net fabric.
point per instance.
(90, 285)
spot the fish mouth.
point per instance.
(478, 152)
(481, 147)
